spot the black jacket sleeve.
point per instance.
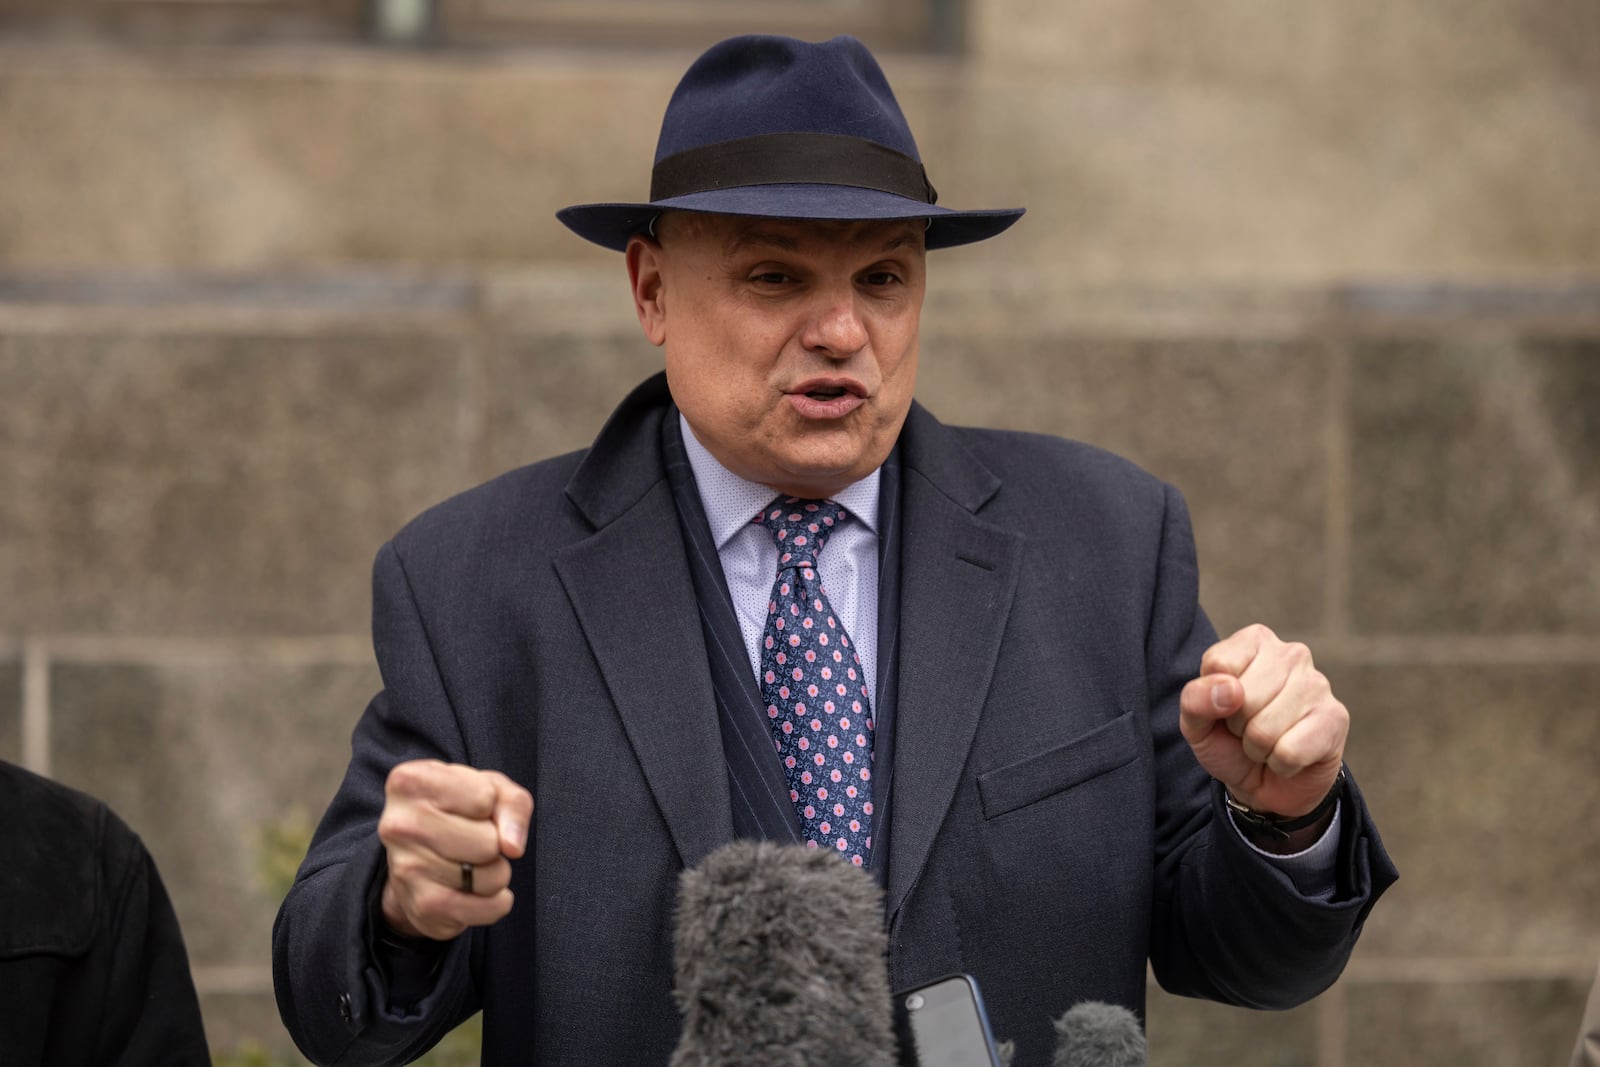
(1228, 923)
(333, 990)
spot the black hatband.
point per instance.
(791, 158)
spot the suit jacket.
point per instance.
(1050, 829)
(91, 958)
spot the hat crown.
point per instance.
(773, 127)
(755, 85)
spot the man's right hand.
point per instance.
(437, 816)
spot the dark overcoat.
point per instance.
(1049, 829)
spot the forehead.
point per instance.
(732, 234)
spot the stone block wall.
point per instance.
(1334, 273)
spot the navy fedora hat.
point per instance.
(780, 128)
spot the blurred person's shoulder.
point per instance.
(60, 845)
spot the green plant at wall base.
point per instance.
(280, 846)
(252, 1053)
(461, 1047)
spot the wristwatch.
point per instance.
(1279, 827)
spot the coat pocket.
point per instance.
(1016, 785)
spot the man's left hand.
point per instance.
(1264, 722)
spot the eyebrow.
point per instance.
(901, 240)
(752, 238)
(784, 243)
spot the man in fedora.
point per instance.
(777, 599)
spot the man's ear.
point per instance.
(645, 265)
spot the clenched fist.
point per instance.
(1264, 722)
(437, 817)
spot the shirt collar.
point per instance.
(731, 502)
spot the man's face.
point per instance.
(791, 346)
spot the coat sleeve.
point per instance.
(151, 1012)
(332, 993)
(1228, 923)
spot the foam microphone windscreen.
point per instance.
(781, 961)
(1092, 1034)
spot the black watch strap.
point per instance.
(1279, 827)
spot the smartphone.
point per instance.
(942, 1024)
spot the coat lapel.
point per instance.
(635, 602)
(958, 576)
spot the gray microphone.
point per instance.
(1093, 1034)
(781, 960)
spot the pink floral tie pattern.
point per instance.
(815, 689)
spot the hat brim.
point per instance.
(611, 225)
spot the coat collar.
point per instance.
(937, 453)
(624, 463)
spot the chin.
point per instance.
(818, 479)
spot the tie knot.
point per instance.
(800, 528)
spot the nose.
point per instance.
(834, 327)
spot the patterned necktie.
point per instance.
(815, 688)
